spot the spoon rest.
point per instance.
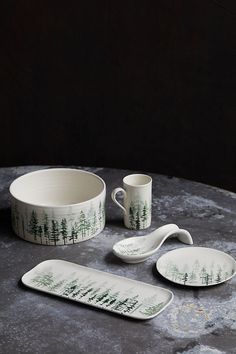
(138, 249)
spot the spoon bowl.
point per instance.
(138, 249)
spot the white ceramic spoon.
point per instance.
(138, 249)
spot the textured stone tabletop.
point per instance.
(199, 320)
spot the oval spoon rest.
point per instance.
(138, 249)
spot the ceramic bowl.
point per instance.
(58, 206)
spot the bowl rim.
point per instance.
(40, 205)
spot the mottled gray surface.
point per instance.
(198, 320)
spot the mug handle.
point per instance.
(113, 196)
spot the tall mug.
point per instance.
(137, 205)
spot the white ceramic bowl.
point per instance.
(58, 206)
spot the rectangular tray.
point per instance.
(99, 289)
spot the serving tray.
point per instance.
(99, 289)
(196, 266)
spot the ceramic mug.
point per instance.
(137, 208)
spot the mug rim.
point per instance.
(139, 185)
(40, 205)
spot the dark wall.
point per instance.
(149, 85)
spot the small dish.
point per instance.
(99, 289)
(196, 266)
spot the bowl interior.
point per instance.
(57, 187)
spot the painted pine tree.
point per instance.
(33, 224)
(64, 232)
(137, 220)
(40, 233)
(70, 288)
(94, 223)
(46, 229)
(131, 215)
(93, 294)
(144, 215)
(151, 310)
(121, 305)
(102, 296)
(55, 233)
(219, 275)
(84, 225)
(185, 278)
(203, 274)
(131, 304)
(44, 280)
(100, 215)
(74, 232)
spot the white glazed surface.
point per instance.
(99, 289)
(58, 206)
(196, 266)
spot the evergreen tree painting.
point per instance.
(185, 278)
(94, 223)
(131, 216)
(100, 215)
(64, 230)
(144, 215)
(46, 229)
(33, 224)
(137, 221)
(40, 232)
(54, 237)
(84, 225)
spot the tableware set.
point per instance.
(61, 206)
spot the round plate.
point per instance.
(196, 266)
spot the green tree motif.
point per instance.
(74, 232)
(185, 278)
(94, 223)
(94, 294)
(40, 232)
(70, 287)
(204, 275)
(121, 305)
(54, 237)
(137, 221)
(44, 280)
(103, 295)
(46, 233)
(100, 215)
(131, 304)
(33, 224)
(131, 215)
(144, 215)
(84, 225)
(64, 232)
(151, 310)
(219, 274)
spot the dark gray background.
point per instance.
(148, 86)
